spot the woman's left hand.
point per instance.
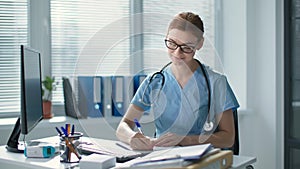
(168, 139)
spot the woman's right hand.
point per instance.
(141, 142)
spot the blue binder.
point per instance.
(117, 95)
(106, 95)
(128, 91)
(90, 96)
(137, 80)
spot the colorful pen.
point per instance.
(64, 131)
(73, 130)
(68, 129)
(138, 125)
(59, 132)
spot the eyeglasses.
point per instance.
(184, 48)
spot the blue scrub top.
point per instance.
(184, 110)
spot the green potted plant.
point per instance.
(49, 86)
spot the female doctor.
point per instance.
(184, 97)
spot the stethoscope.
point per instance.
(208, 125)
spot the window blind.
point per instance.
(89, 37)
(13, 33)
(159, 14)
(93, 37)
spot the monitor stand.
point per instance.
(13, 143)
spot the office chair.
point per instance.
(236, 146)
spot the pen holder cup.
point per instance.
(68, 148)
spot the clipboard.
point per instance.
(176, 157)
(220, 160)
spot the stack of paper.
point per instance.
(173, 157)
(118, 149)
(97, 161)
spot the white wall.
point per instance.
(254, 54)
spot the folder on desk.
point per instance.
(128, 91)
(71, 105)
(109, 147)
(137, 80)
(97, 93)
(106, 95)
(194, 152)
(220, 160)
(173, 157)
(89, 95)
(117, 95)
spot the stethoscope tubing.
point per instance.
(208, 126)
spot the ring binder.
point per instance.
(117, 95)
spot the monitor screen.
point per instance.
(31, 89)
(31, 97)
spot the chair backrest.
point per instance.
(236, 145)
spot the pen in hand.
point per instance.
(123, 146)
(138, 125)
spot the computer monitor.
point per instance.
(31, 97)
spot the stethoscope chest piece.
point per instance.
(208, 126)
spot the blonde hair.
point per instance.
(188, 21)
